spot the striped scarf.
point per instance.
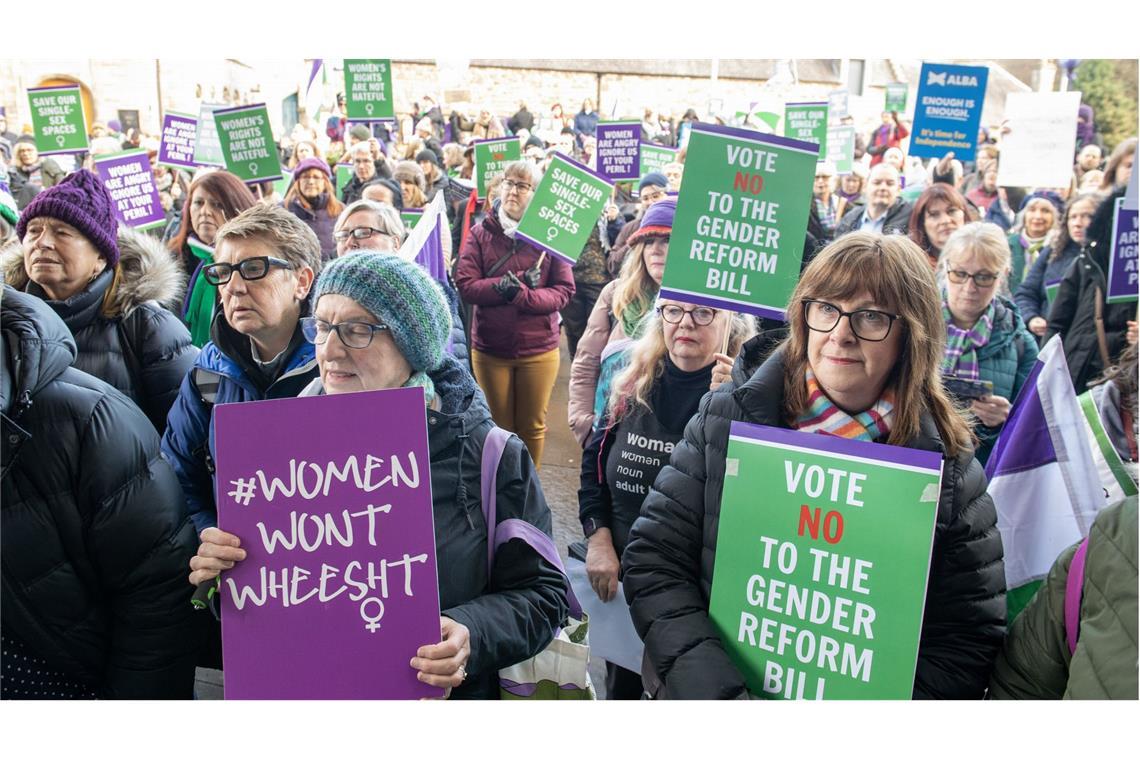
(421, 380)
(961, 357)
(823, 416)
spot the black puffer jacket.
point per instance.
(96, 540)
(129, 340)
(1073, 315)
(895, 221)
(669, 561)
(514, 615)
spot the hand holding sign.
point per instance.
(445, 664)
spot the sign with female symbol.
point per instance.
(368, 89)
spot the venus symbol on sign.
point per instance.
(551, 233)
(59, 140)
(368, 108)
(252, 167)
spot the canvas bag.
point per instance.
(560, 670)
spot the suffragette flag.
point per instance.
(1043, 478)
(424, 245)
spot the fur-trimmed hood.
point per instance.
(147, 271)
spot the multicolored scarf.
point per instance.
(823, 416)
(633, 316)
(421, 380)
(1032, 247)
(961, 357)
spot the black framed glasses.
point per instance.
(522, 187)
(867, 324)
(981, 279)
(360, 233)
(250, 269)
(673, 314)
(351, 334)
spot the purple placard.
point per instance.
(128, 178)
(844, 447)
(1122, 274)
(177, 146)
(760, 137)
(723, 303)
(362, 506)
(618, 151)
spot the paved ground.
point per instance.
(559, 477)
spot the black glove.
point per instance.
(533, 275)
(507, 286)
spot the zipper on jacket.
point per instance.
(461, 489)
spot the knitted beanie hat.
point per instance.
(393, 188)
(656, 179)
(656, 221)
(400, 294)
(81, 200)
(410, 171)
(311, 163)
(428, 155)
(360, 132)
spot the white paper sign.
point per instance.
(1130, 192)
(612, 635)
(1038, 151)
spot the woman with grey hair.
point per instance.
(368, 224)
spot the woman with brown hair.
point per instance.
(213, 199)
(937, 213)
(311, 198)
(862, 362)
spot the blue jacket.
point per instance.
(215, 378)
(1030, 294)
(1005, 361)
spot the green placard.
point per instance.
(58, 119)
(247, 143)
(841, 149)
(738, 234)
(654, 158)
(491, 157)
(343, 177)
(281, 186)
(207, 149)
(368, 89)
(895, 99)
(822, 556)
(1051, 290)
(411, 217)
(807, 122)
(564, 208)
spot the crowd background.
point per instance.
(406, 180)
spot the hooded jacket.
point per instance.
(514, 614)
(527, 324)
(96, 540)
(127, 337)
(319, 221)
(224, 373)
(668, 565)
(1084, 289)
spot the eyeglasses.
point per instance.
(867, 324)
(981, 279)
(522, 187)
(250, 269)
(360, 233)
(351, 334)
(702, 315)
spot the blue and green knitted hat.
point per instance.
(400, 294)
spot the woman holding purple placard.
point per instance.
(391, 324)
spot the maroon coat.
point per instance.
(527, 324)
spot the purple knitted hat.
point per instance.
(80, 200)
(312, 162)
(656, 221)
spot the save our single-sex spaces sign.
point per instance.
(58, 119)
(331, 497)
(738, 234)
(247, 143)
(565, 205)
(807, 122)
(822, 557)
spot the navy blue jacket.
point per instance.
(1030, 296)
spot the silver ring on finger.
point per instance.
(462, 673)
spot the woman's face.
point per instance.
(304, 150)
(968, 301)
(990, 179)
(406, 187)
(347, 370)
(377, 241)
(1124, 170)
(311, 183)
(691, 346)
(851, 184)
(851, 371)
(261, 307)
(207, 215)
(516, 192)
(653, 255)
(940, 221)
(59, 258)
(1039, 218)
(1080, 215)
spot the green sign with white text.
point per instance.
(368, 89)
(807, 122)
(841, 149)
(491, 157)
(247, 143)
(654, 158)
(58, 119)
(566, 204)
(895, 97)
(738, 234)
(822, 556)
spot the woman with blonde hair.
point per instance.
(862, 361)
(671, 367)
(412, 184)
(617, 317)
